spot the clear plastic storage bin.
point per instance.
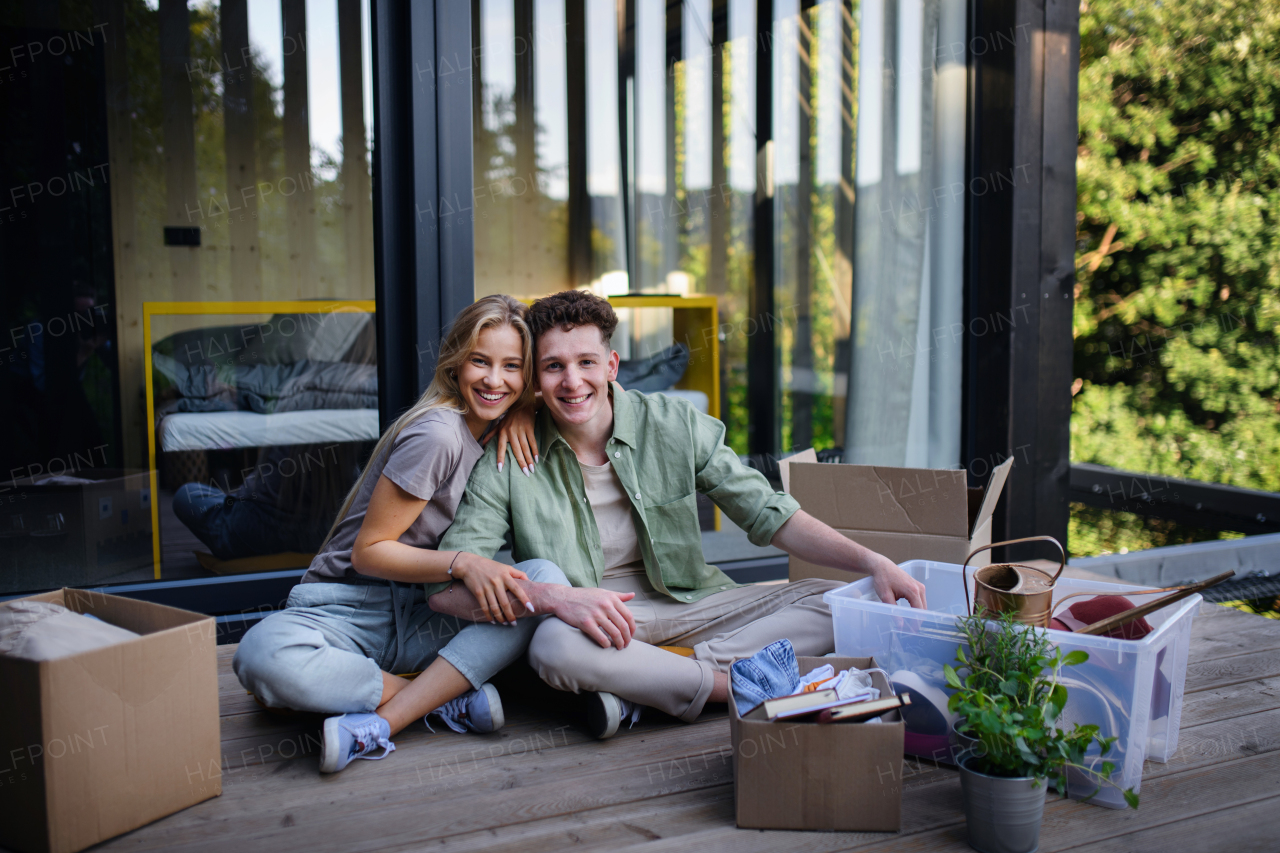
(1132, 689)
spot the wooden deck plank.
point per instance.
(543, 784)
(1222, 740)
(1205, 675)
(1180, 798)
(1250, 828)
(1220, 703)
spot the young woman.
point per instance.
(360, 613)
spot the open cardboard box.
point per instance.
(903, 513)
(805, 775)
(102, 742)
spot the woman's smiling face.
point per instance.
(491, 378)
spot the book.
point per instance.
(800, 703)
(859, 711)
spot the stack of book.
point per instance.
(830, 708)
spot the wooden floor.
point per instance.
(542, 784)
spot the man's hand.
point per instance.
(809, 539)
(598, 613)
(893, 583)
(490, 581)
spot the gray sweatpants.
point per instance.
(326, 653)
(720, 628)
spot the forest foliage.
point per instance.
(1178, 258)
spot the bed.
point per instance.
(227, 430)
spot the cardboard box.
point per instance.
(903, 513)
(102, 742)
(803, 775)
(77, 529)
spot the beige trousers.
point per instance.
(720, 628)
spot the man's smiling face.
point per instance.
(574, 372)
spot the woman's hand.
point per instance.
(516, 429)
(490, 581)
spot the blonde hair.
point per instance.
(489, 312)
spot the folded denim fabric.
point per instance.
(768, 674)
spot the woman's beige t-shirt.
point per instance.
(430, 459)
(612, 509)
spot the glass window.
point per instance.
(521, 147)
(188, 285)
(865, 185)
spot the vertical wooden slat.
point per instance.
(844, 227)
(238, 143)
(717, 207)
(802, 361)
(300, 205)
(762, 357)
(182, 204)
(356, 200)
(123, 229)
(576, 108)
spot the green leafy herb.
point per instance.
(1009, 695)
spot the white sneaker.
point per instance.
(347, 737)
(477, 710)
(605, 713)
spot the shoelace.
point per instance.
(632, 710)
(366, 737)
(451, 712)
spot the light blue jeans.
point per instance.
(327, 651)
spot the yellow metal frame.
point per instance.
(213, 309)
(696, 325)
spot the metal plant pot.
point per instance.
(1003, 814)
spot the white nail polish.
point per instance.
(529, 606)
(499, 467)
(537, 459)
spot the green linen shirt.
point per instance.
(665, 451)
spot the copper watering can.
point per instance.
(1011, 588)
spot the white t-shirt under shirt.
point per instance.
(612, 509)
(430, 459)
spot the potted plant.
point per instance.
(1009, 697)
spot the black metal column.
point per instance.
(422, 180)
(1024, 61)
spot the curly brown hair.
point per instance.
(569, 309)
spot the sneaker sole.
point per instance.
(604, 715)
(496, 715)
(329, 756)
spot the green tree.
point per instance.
(1178, 258)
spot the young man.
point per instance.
(613, 503)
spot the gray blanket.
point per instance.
(269, 388)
